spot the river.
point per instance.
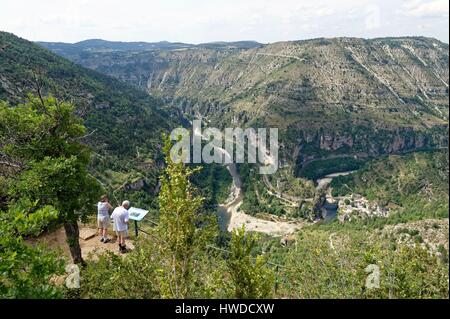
(329, 209)
(225, 211)
(230, 218)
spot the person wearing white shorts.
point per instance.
(103, 208)
(120, 217)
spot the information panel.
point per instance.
(137, 214)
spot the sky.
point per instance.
(199, 21)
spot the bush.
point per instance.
(333, 265)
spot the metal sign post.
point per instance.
(136, 229)
(136, 214)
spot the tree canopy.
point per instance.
(41, 143)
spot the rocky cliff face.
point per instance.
(341, 95)
(374, 142)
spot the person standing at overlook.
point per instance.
(103, 221)
(120, 217)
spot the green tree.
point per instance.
(251, 277)
(183, 229)
(25, 271)
(42, 143)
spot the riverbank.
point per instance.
(230, 218)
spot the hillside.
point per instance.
(330, 97)
(79, 50)
(414, 186)
(125, 124)
(340, 105)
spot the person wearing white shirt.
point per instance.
(103, 208)
(120, 217)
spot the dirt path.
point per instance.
(90, 248)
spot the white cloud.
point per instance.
(373, 17)
(211, 20)
(434, 8)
